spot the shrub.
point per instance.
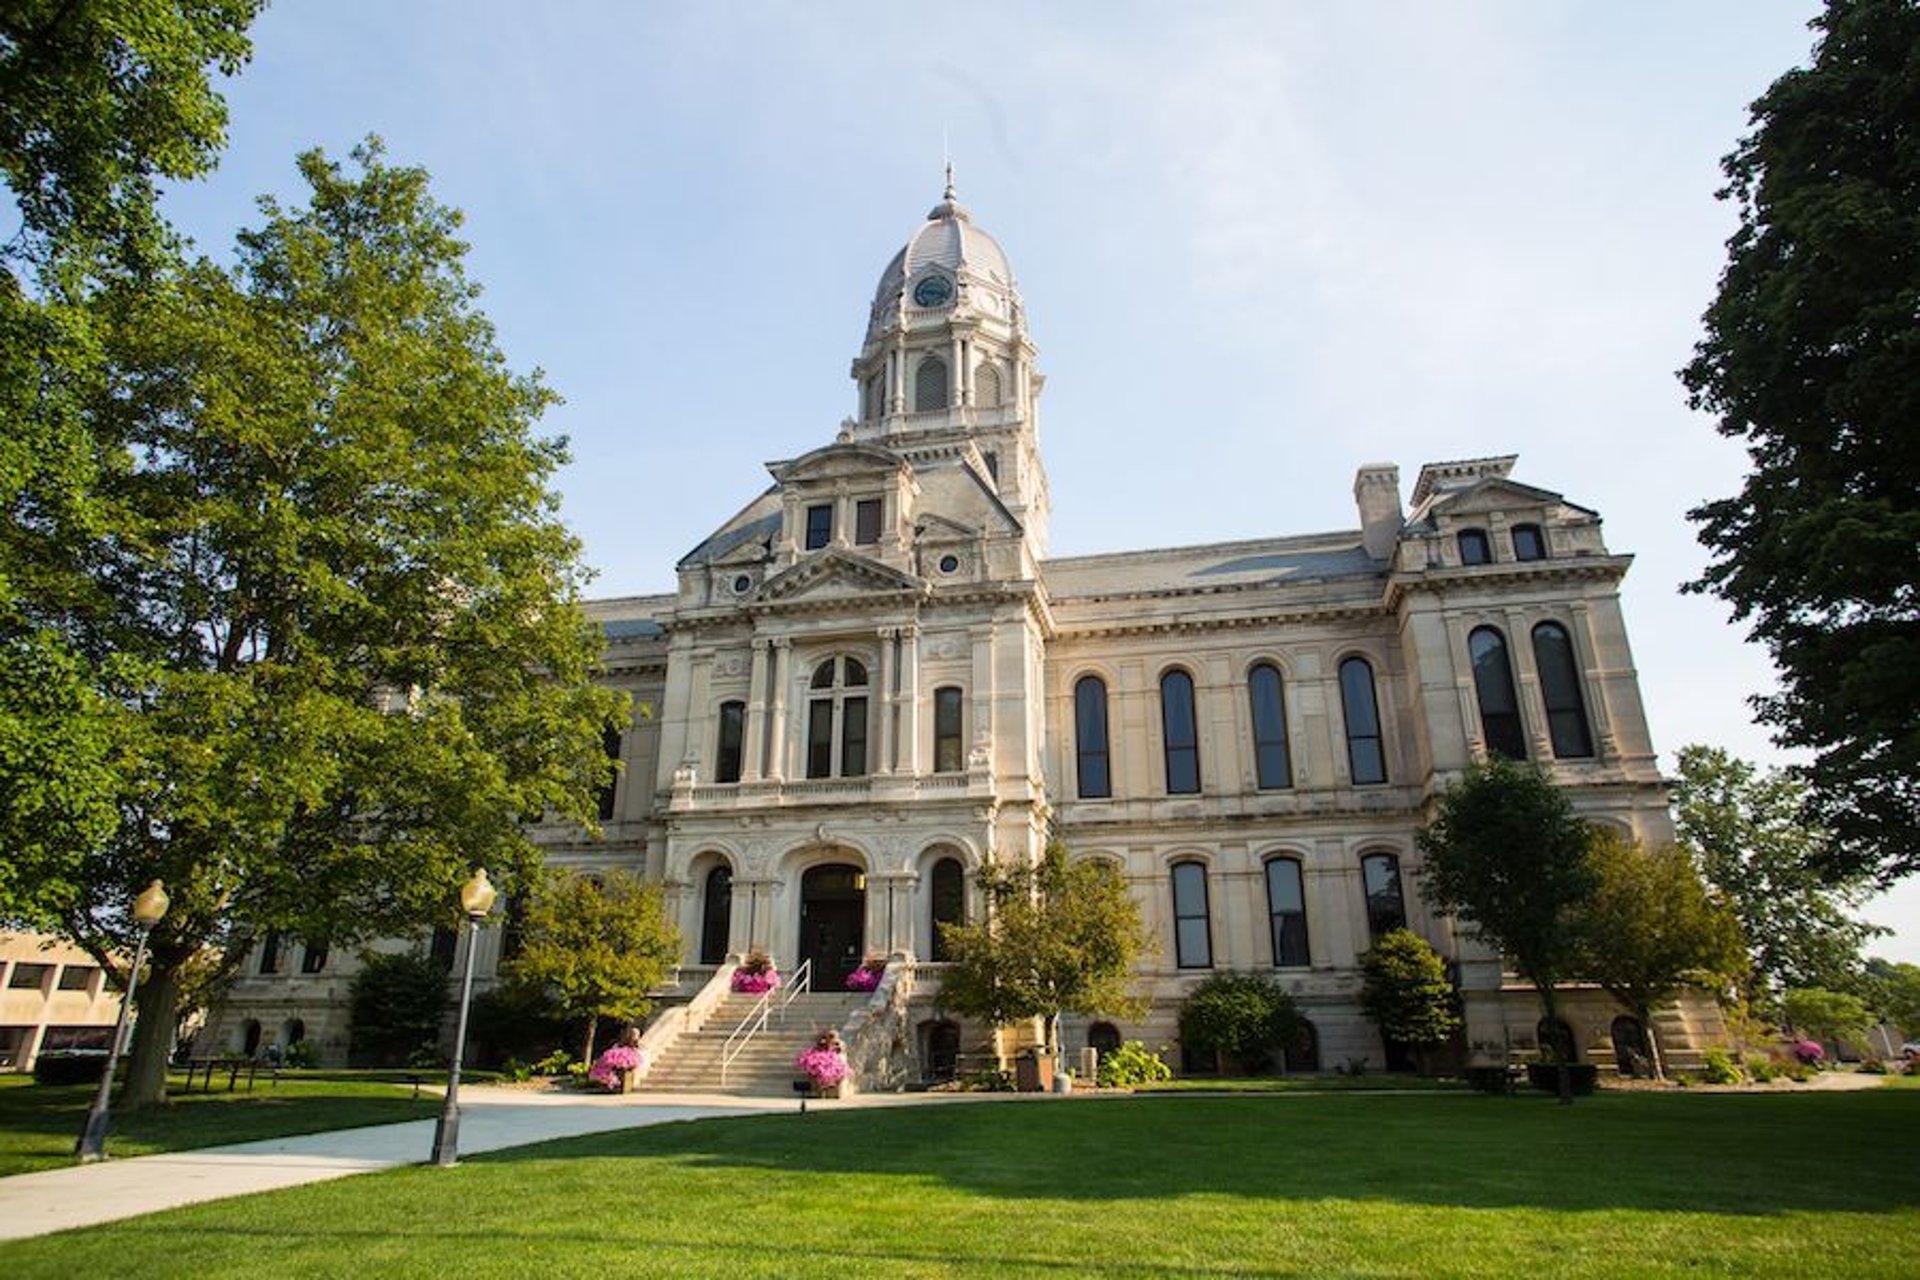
(1244, 1016)
(1764, 1070)
(554, 1064)
(60, 1067)
(987, 1082)
(1131, 1064)
(397, 1002)
(516, 1021)
(1873, 1067)
(301, 1055)
(1545, 1076)
(1718, 1067)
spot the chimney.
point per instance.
(1376, 491)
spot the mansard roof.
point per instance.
(1214, 566)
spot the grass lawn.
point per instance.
(1436, 1185)
(1305, 1084)
(38, 1123)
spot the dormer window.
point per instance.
(1528, 542)
(1474, 547)
(866, 522)
(819, 526)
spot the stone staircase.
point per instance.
(765, 1066)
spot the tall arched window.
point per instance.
(986, 387)
(1474, 547)
(837, 720)
(1192, 936)
(930, 385)
(1493, 686)
(1386, 906)
(1366, 754)
(1560, 691)
(948, 899)
(1182, 736)
(1287, 913)
(1271, 763)
(1090, 737)
(726, 755)
(716, 914)
(948, 756)
(610, 743)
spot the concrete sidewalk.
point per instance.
(33, 1204)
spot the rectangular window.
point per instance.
(1192, 940)
(1287, 913)
(853, 738)
(820, 739)
(28, 977)
(314, 959)
(1182, 739)
(1090, 737)
(76, 977)
(726, 761)
(866, 521)
(819, 526)
(946, 730)
(270, 952)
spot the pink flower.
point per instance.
(754, 983)
(863, 979)
(827, 1067)
(609, 1066)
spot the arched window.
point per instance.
(610, 743)
(250, 1037)
(1103, 1038)
(1272, 766)
(1529, 543)
(716, 914)
(837, 720)
(1556, 1040)
(1474, 547)
(1493, 686)
(1287, 913)
(1386, 907)
(940, 1049)
(726, 756)
(1090, 737)
(986, 387)
(1560, 691)
(1182, 737)
(949, 902)
(1366, 754)
(930, 385)
(948, 756)
(1192, 935)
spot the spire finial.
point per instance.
(949, 195)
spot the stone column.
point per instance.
(753, 741)
(888, 699)
(780, 676)
(907, 745)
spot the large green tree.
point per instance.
(1749, 836)
(1811, 355)
(1059, 936)
(597, 946)
(1505, 853)
(1652, 928)
(346, 654)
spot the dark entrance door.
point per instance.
(833, 910)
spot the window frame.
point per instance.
(1375, 918)
(716, 917)
(1180, 750)
(1263, 746)
(949, 729)
(946, 902)
(1277, 932)
(816, 526)
(838, 715)
(1357, 737)
(1538, 535)
(1477, 539)
(1503, 731)
(1181, 958)
(730, 737)
(868, 517)
(1561, 695)
(1085, 711)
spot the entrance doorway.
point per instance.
(833, 914)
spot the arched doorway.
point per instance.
(716, 914)
(833, 914)
(940, 1049)
(1630, 1052)
(250, 1037)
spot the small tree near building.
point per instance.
(1827, 1015)
(599, 947)
(1059, 937)
(396, 1005)
(1242, 1017)
(1506, 854)
(1406, 991)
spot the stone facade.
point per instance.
(873, 680)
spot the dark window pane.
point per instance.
(930, 385)
(853, 738)
(1474, 548)
(76, 977)
(819, 526)
(820, 739)
(1560, 691)
(1272, 766)
(1183, 750)
(315, 958)
(1192, 946)
(29, 977)
(727, 759)
(610, 743)
(823, 675)
(1364, 749)
(1493, 685)
(1287, 911)
(856, 674)
(716, 915)
(1529, 543)
(1386, 908)
(270, 952)
(866, 521)
(949, 901)
(946, 730)
(1090, 737)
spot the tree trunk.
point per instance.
(152, 1035)
(593, 1025)
(1645, 1014)
(1563, 1068)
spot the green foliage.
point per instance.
(1811, 356)
(1893, 988)
(1718, 1067)
(396, 1005)
(598, 947)
(1827, 1015)
(1745, 831)
(301, 1056)
(1406, 991)
(1060, 936)
(1131, 1064)
(1505, 853)
(1244, 1016)
(513, 1020)
(554, 1064)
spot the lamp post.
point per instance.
(148, 908)
(476, 899)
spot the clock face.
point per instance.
(933, 291)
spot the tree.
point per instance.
(1811, 355)
(1505, 853)
(1404, 988)
(1242, 1016)
(1060, 936)
(1893, 990)
(1745, 830)
(598, 946)
(395, 1007)
(337, 618)
(1651, 928)
(1827, 1015)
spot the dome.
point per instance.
(947, 243)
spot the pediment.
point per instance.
(835, 575)
(841, 460)
(938, 528)
(1492, 495)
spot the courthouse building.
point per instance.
(873, 680)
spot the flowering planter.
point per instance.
(618, 1069)
(753, 984)
(863, 979)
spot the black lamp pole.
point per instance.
(148, 908)
(476, 899)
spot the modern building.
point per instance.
(53, 996)
(873, 680)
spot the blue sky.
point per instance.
(1260, 244)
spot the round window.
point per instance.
(742, 584)
(949, 564)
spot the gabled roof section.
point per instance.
(757, 522)
(1439, 477)
(838, 573)
(837, 459)
(1492, 494)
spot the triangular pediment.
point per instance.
(1491, 495)
(835, 574)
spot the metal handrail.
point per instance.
(756, 1019)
